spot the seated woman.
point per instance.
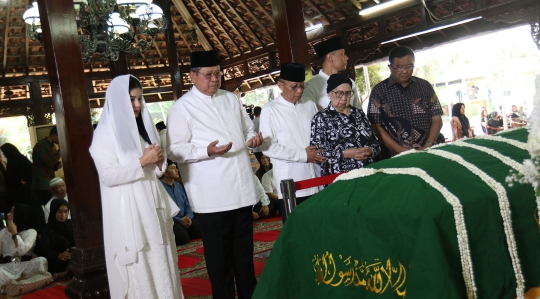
(264, 206)
(16, 243)
(460, 123)
(266, 165)
(57, 238)
(185, 226)
(495, 123)
(343, 131)
(484, 120)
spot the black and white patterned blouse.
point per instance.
(405, 113)
(335, 132)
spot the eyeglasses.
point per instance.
(296, 86)
(340, 94)
(208, 76)
(401, 68)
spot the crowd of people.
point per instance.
(162, 185)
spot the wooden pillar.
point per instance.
(172, 54)
(119, 67)
(70, 97)
(290, 32)
(37, 108)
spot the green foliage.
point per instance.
(375, 77)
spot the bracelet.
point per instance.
(14, 236)
(431, 143)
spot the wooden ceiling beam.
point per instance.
(337, 8)
(320, 11)
(357, 4)
(232, 24)
(6, 31)
(181, 33)
(250, 13)
(244, 23)
(221, 27)
(263, 10)
(184, 12)
(26, 43)
(197, 11)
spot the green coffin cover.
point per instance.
(394, 235)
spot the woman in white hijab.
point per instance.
(137, 226)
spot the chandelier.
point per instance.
(109, 27)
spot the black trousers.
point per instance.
(299, 200)
(228, 249)
(183, 235)
(272, 208)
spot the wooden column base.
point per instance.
(89, 286)
(90, 281)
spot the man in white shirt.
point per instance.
(333, 60)
(286, 128)
(209, 134)
(59, 190)
(269, 186)
(256, 120)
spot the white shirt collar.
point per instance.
(323, 74)
(285, 102)
(200, 94)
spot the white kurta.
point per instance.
(261, 195)
(316, 91)
(26, 241)
(267, 182)
(154, 274)
(217, 183)
(286, 129)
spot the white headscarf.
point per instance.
(129, 206)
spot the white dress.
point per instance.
(137, 226)
(26, 241)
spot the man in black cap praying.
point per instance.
(209, 133)
(333, 60)
(286, 127)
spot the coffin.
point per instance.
(441, 223)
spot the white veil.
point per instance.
(130, 216)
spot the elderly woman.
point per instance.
(140, 251)
(343, 131)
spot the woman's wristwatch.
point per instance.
(431, 143)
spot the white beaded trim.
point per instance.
(518, 144)
(504, 205)
(517, 166)
(463, 241)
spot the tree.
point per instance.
(375, 77)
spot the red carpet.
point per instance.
(195, 283)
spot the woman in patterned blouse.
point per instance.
(343, 131)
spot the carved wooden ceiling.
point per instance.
(243, 31)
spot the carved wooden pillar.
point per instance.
(119, 67)
(37, 108)
(70, 97)
(172, 54)
(290, 32)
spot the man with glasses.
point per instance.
(209, 134)
(333, 60)
(404, 110)
(286, 125)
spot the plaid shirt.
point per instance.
(405, 113)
